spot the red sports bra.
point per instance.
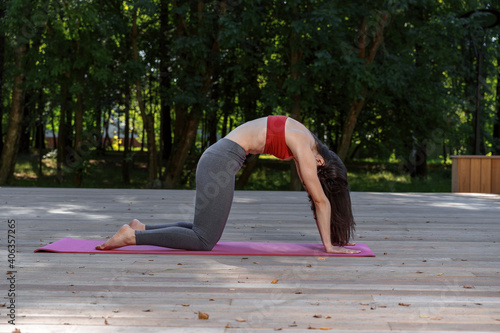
(275, 138)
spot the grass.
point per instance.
(106, 172)
(385, 181)
(97, 173)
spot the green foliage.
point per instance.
(236, 60)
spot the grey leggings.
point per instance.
(214, 196)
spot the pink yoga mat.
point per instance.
(71, 245)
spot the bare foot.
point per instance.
(124, 236)
(137, 225)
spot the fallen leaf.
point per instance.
(227, 326)
(3, 305)
(321, 328)
(185, 304)
(423, 316)
(321, 258)
(203, 315)
(148, 310)
(440, 274)
(403, 304)
(240, 320)
(419, 272)
(179, 264)
(274, 281)
(212, 299)
(106, 322)
(309, 265)
(293, 325)
(256, 262)
(297, 293)
(469, 286)
(318, 316)
(436, 318)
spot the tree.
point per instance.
(147, 118)
(19, 17)
(367, 53)
(11, 145)
(2, 61)
(195, 48)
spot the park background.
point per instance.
(130, 93)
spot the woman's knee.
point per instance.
(205, 246)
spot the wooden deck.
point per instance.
(437, 267)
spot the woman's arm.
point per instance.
(307, 169)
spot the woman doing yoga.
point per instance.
(321, 171)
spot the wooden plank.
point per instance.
(495, 176)
(437, 254)
(486, 175)
(464, 175)
(475, 175)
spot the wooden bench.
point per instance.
(477, 174)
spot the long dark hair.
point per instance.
(333, 178)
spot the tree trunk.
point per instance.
(126, 144)
(357, 104)
(420, 160)
(348, 127)
(62, 136)
(188, 119)
(189, 122)
(496, 125)
(40, 133)
(166, 119)
(10, 149)
(251, 163)
(77, 148)
(98, 125)
(295, 58)
(148, 119)
(25, 138)
(2, 48)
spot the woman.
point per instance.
(321, 171)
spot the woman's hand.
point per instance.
(340, 250)
(348, 244)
